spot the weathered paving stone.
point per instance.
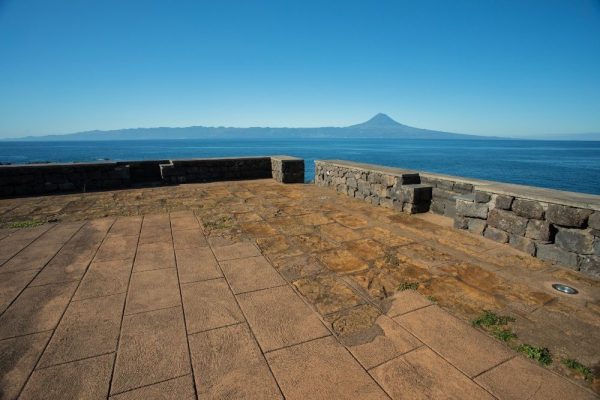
(343, 261)
(180, 222)
(279, 318)
(196, 264)
(367, 249)
(539, 230)
(503, 202)
(422, 374)
(327, 293)
(37, 309)
(296, 267)
(231, 364)
(528, 208)
(521, 379)
(152, 290)
(321, 369)
(575, 240)
(350, 220)
(507, 221)
(385, 236)
(208, 305)
(338, 233)
(88, 328)
(236, 250)
(153, 234)
(18, 357)
(126, 226)
(153, 348)
(85, 379)
(469, 350)
(496, 235)
(523, 244)
(154, 256)
(104, 278)
(175, 389)
(404, 302)
(252, 273)
(189, 238)
(117, 248)
(567, 216)
(551, 252)
(11, 284)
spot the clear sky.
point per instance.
(522, 67)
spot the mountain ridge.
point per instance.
(380, 126)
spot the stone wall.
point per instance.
(446, 189)
(287, 169)
(216, 169)
(39, 179)
(553, 225)
(386, 187)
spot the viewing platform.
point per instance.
(231, 278)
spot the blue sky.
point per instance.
(518, 68)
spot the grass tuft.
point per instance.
(576, 366)
(408, 286)
(505, 335)
(489, 319)
(540, 354)
(26, 224)
(432, 299)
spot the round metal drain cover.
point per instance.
(565, 289)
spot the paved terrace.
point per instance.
(261, 290)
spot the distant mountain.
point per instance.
(380, 126)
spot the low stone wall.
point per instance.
(387, 187)
(446, 189)
(287, 169)
(40, 179)
(558, 226)
(216, 169)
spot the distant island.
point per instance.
(381, 126)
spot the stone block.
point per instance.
(414, 193)
(503, 202)
(351, 182)
(496, 235)
(575, 240)
(590, 265)
(528, 208)
(482, 197)
(475, 225)
(567, 216)
(412, 208)
(594, 220)
(462, 187)
(437, 207)
(438, 193)
(507, 221)
(551, 252)
(539, 230)
(461, 222)
(523, 244)
(450, 209)
(471, 209)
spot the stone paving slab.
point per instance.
(283, 290)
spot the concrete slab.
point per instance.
(249, 274)
(152, 290)
(196, 264)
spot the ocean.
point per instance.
(564, 165)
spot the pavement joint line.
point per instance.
(185, 325)
(41, 269)
(112, 372)
(300, 343)
(75, 360)
(26, 334)
(150, 384)
(495, 366)
(153, 310)
(422, 345)
(29, 244)
(37, 361)
(218, 327)
(256, 343)
(261, 289)
(201, 280)
(416, 309)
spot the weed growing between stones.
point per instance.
(495, 324)
(432, 299)
(391, 259)
(408, 286)
(578, 367)
(26, 224)
(221, 222)
(540, 354)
